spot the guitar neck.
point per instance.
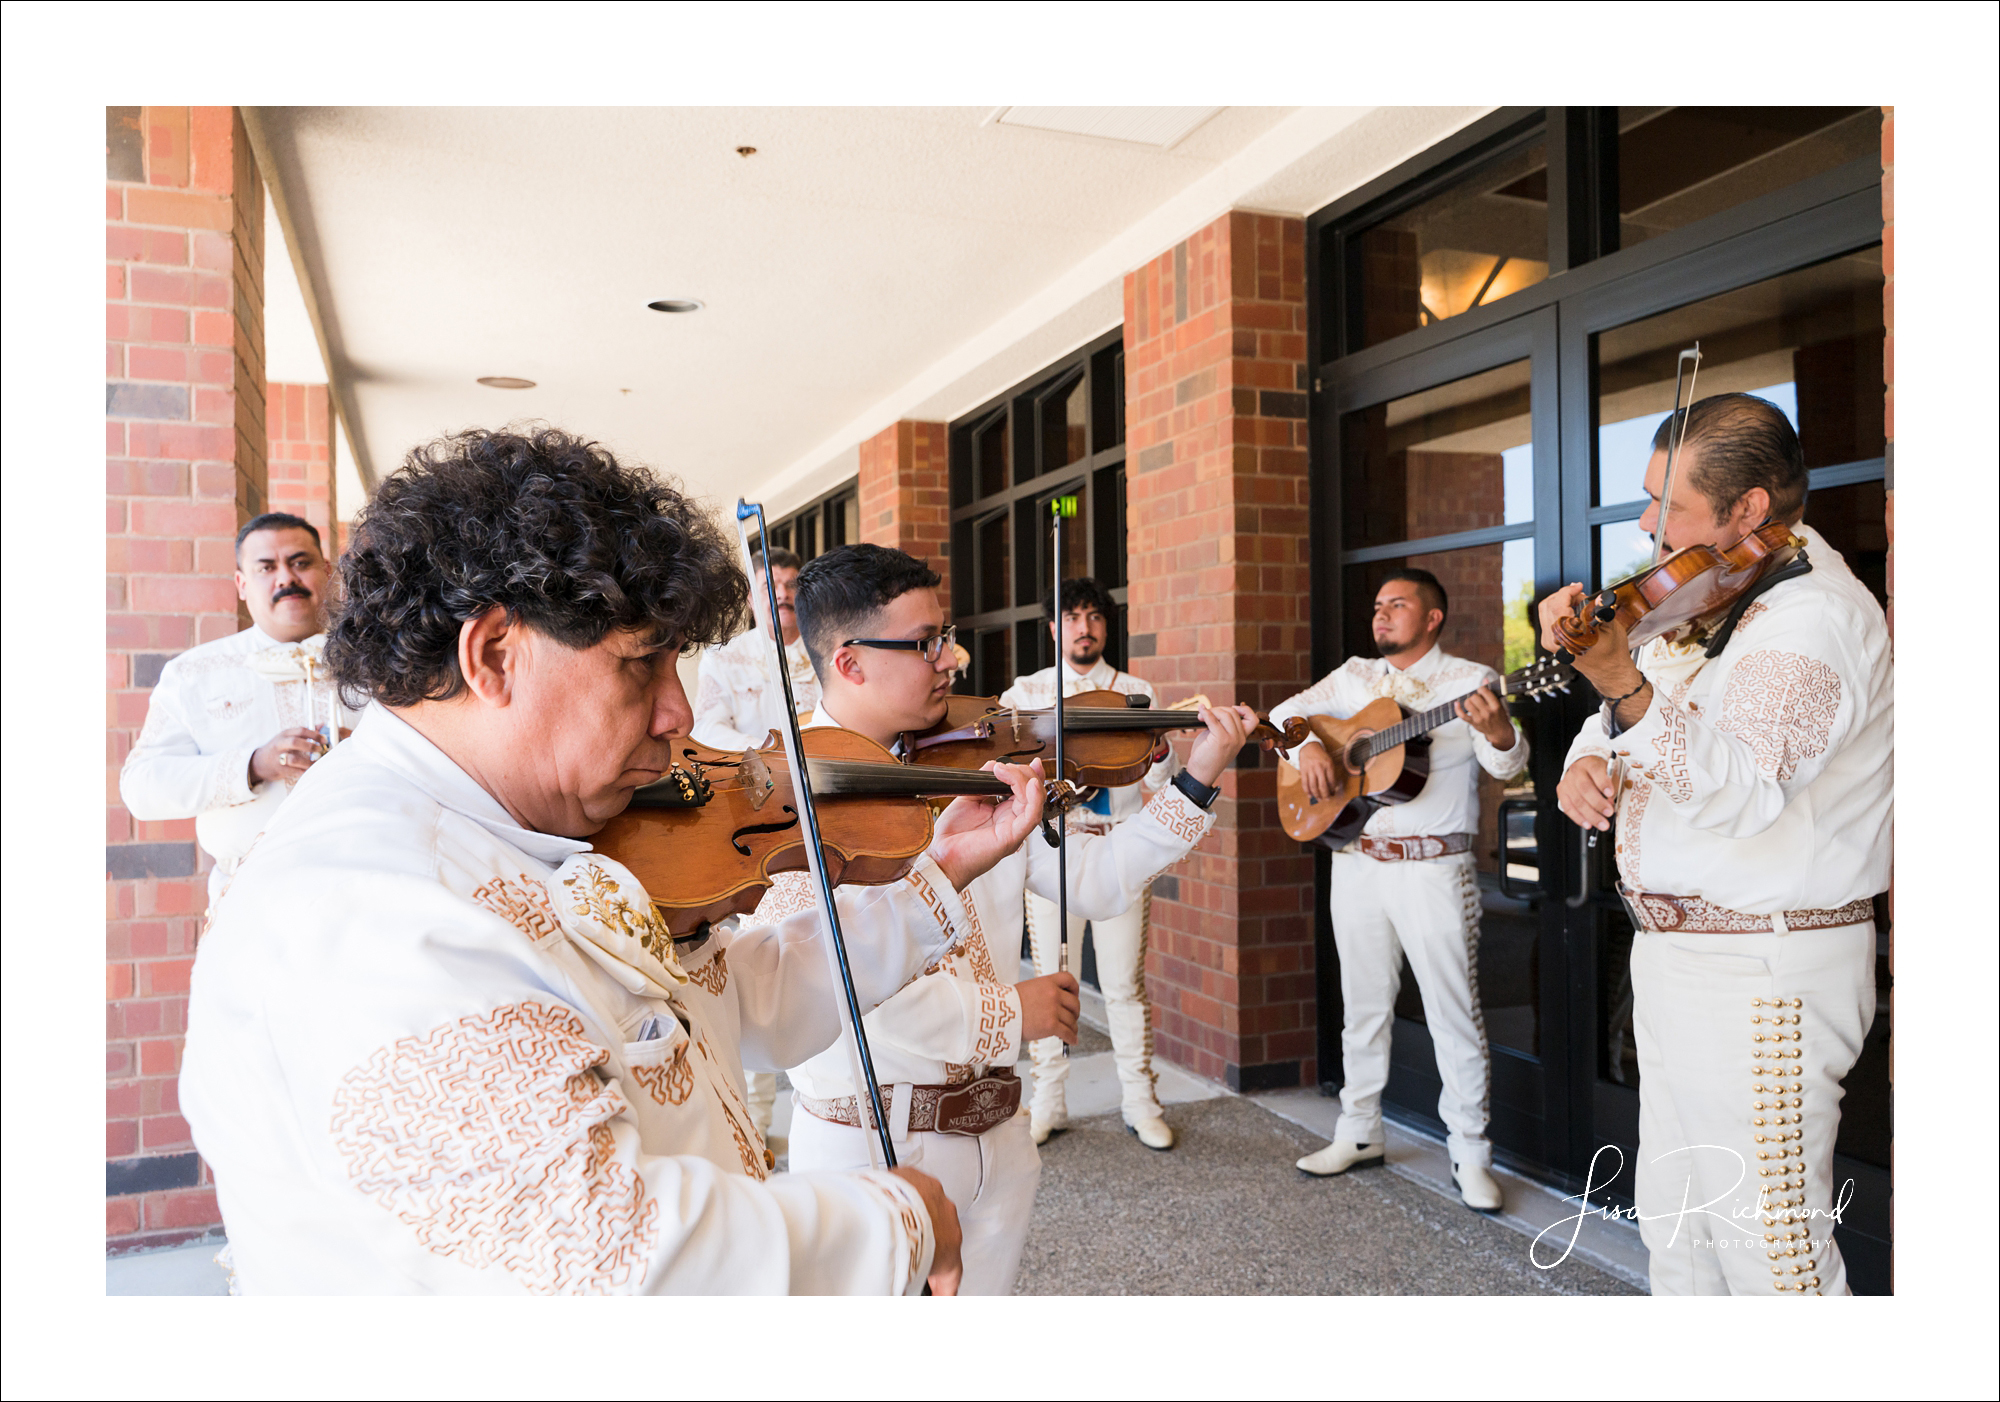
(1422, 723)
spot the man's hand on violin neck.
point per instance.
(947, 1266)
(1229, 729)
(1608, 664)
(974, 834)
(1049, 1007)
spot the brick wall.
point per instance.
(185, 465)
(906, 496)
(299, 421)
(1216, 500)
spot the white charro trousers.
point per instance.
(1429, 911)
(990, 1179)
(1743, 1043)
(761, 1093)
(1121, 975)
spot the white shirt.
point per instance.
(214, 706)
(1763, 780)
(1037, 692)
(964, 1016)
(738, 701)
(1449, 800)
(430, 1051)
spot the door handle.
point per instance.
(1586, 886)
(1510, 888)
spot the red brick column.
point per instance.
(906, 496)
(185, 465)
(300, 424)
(1215, 351)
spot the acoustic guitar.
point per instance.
(1381, 756)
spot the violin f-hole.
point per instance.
(736, 838)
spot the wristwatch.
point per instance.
(1194, 791)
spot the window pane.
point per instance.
(1107, 372)
(1854, 521)
(989, 448)
(1490, 591)
(992, 566)
(1453, 458)
(992, 668)
(1472, 244)
(845, 522)
(1064, 427)
(806, 532)
(1809, 341)
(1109, 526)
(1622, 549)
(1680, 164)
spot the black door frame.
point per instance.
(1826, 216)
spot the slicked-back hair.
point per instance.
(1083, 592)
(842, 592)
(777, 558)
(1735, 442)
(277, 521)
(1429, 589)
(544, 524)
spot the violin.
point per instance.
(1690, 586)
(1108, 737)
(708, 836)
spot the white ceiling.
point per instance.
(865, 261)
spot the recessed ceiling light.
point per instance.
(746, 150)
(505, 382)
(676, 304)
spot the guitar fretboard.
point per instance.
(1422, 723)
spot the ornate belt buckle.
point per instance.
(973, 1109)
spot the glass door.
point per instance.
(1446, 464)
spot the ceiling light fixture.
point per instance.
(677, 305)
(746, 150)
(505, 382)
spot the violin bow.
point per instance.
(1061, 509)
(1686, 367)
(809, 817)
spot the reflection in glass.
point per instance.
(1809, 341)
(1853, 519)
(847, 522)
(1468, 246)
(1617, 1043)
(1680, 164)
(989, 449)
(1064, 427)
(992, 553)
(1453, 458)
(1490, 590)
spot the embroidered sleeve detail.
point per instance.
(1782, 705)
(524, 904)
(1670, 771)
(1171, 809)
(750, 1146)
(915, 1226)
(1632, 827)
(488, 1137)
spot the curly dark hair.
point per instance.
(1080, 592)
(547, 525)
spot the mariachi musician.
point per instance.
(476, 1062)
(1407, 885)
(1746, 760)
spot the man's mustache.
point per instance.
(291, 591)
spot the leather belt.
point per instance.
(1411, 849)
(969, 1109)
(1691, 915)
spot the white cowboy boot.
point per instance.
(1341, 1155)
(1477, 1187)
(1153, 1131)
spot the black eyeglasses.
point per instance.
(932, 648)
